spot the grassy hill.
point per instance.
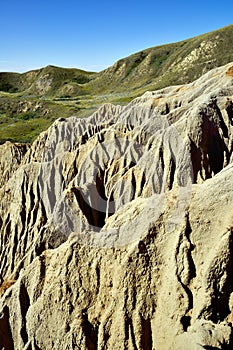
(47, 81)
(30, 102)
(171, 64)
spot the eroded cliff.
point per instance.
(116, 230)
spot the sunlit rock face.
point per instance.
(116, 230)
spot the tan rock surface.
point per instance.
(11, 156)
(118, 228)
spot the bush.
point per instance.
(80, 79)
(26, 116)
(7, 87)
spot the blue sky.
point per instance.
(92, 35)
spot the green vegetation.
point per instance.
(30, 102)
(7, 87)
(22, 130)
(22, 119)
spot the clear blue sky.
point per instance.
(92, 35)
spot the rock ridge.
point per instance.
(116, 230)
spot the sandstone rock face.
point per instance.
(116, 230)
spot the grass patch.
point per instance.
(23, 130)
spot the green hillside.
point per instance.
(165, 65)
(31, 101)
(48, 81)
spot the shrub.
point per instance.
(26, 116)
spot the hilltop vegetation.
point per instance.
(46, 81)
(172, 64)
(30, 102)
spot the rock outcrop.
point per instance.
(11, 156)
(116, 230)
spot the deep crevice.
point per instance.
(192, 266)
(186, 322)
(129, 332)
(132, 334)
(171, 174)
(94, 217)
(146, 334)
(91, 332)
(6, 338)
(186, 319)
(229, 109)
(221, 120)
(133, 183)
(100, 186)
(161, 158)
(24, 305)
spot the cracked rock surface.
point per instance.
(116, 230)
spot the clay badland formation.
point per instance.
(116, 230)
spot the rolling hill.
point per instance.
(31, 101)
